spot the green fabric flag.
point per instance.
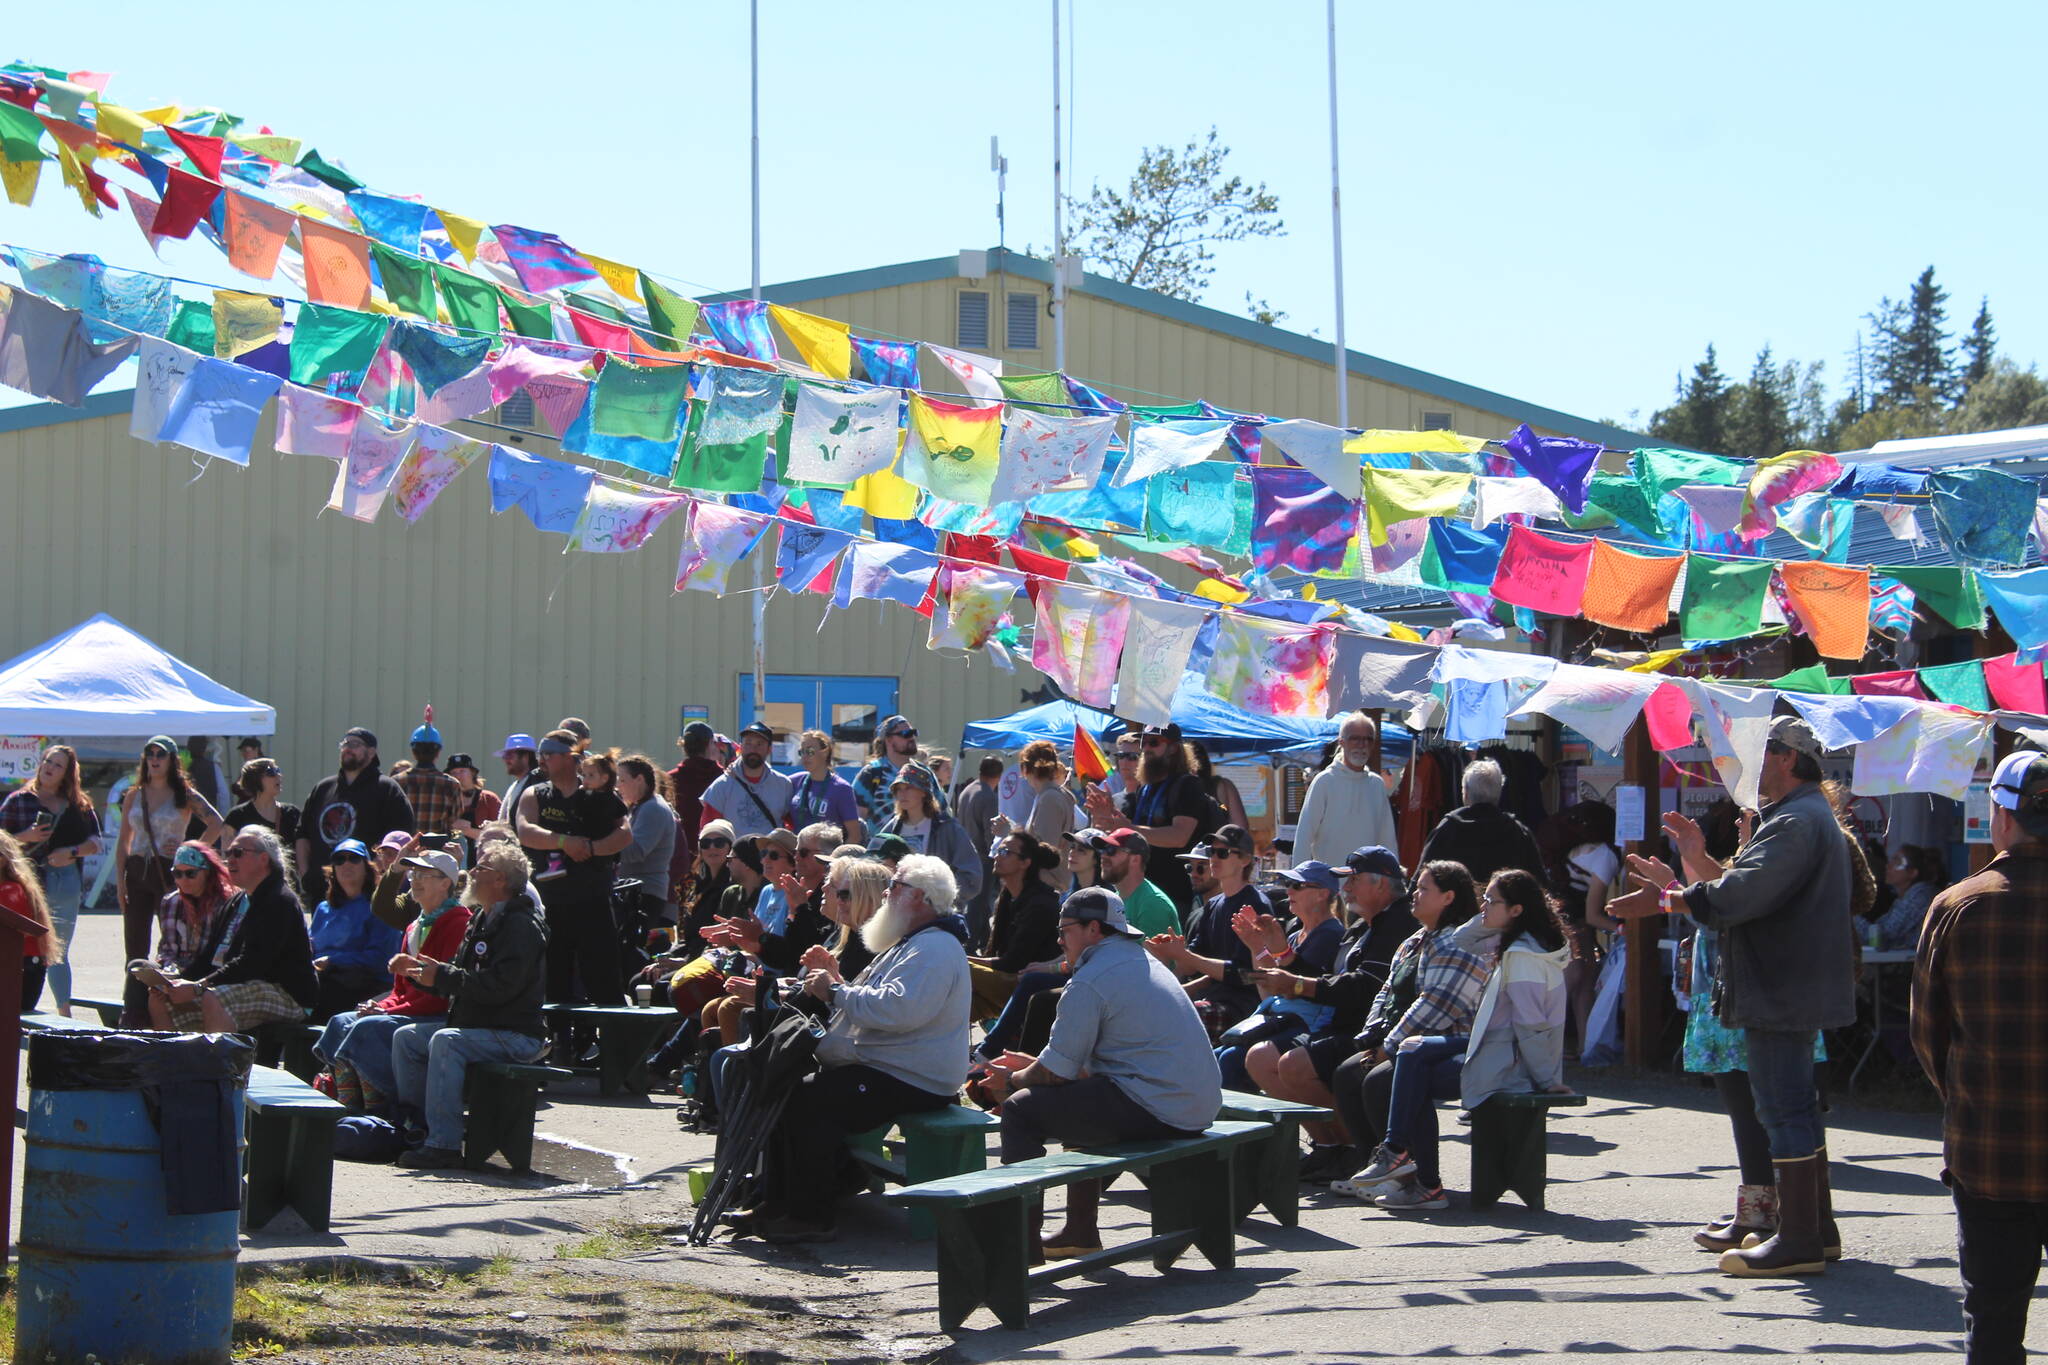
(1724, 599)
(320, 168)
(1812, 678)
(727, 449)
(193, 327)
(529, 319)
(1037, 392)
(785, 428)
(1623, 498)
(1592, 519)
(329, 341)
(1958, 684)
(472, 303)
(639, 400)
(1950, 591)
(20, 134)
(1167, 414)
(1660, 470)
(408, 282)
(671, 317)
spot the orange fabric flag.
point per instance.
(255, 234)
(337, 265)
(1629, 592)
(1834, 602)
(1089, 760)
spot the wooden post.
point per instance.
(1643, 1000)
(13, 929)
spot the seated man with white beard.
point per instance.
(896, 1043)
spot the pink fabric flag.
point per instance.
(434, 461)
(517, 366)
(1902, 683)
(466, 397)
(558, 398)
(1543, 574)
(1271, 668)
(311, 423)
(1780, 479)
(1668, 713)
(1079, 639)
(2015, 686)
(375, 453)
(618, 516)
(716, 538)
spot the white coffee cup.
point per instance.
(643, 996)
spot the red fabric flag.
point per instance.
(1089, 760)
(206, 152)
(186, 200)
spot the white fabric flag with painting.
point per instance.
(375, 453)
(836, 437)
(977, 373)
(975, 599)
(716, 538)
(1079, 636)
(618, 516)
(436, 458)
(1173, 444)
(1049, 453)
(1317, 448)
(1157, 643)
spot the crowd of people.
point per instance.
(1094, 965)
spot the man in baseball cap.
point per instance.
(1128, 1060)
(750, 793)
(1120, 857)
(1212, 948)
(897, 739)
(355, 802)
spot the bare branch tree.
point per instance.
(1156, 232)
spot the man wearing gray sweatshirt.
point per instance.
(896, 1043)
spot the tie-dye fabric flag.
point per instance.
(1157, 642)
(1559, 463)
(541, 260)
(952, 449)
(1271, 668)
(313, 423)
(741, 327)
(644, 401)
(437, 358)
(1045, 452)
(1206, 504)
(549, 492)
(619, 517)
(1300, 522)
(432, 464)
(1779, 479)
(885, 573)
(975, 599)
(807, 555)
(1079, 637)
(1156, 446)
(716, 538)
(1983, 515)
(837, 437)
(889, 363)
(216, 409)
(1934, 751)
(376, 452)
(726, 448)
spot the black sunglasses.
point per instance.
(714, 843)
(341, 858)
(844, 894)
(903, 734)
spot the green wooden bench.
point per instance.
(984, 1217)
(935, 1143)
(109, 1011)
(500, 1098)
(624, 1035)
(290, 1149)
(1269, 1172)
(1509, 1146)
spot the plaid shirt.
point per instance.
(1448, 985)
(434, 796)
(1980, 1024)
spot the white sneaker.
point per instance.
(1413, 1196)
(1386, 1164)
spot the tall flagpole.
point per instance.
(1059, 238)
(760, 576)
(1337, 235)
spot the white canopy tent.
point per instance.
(101, 679)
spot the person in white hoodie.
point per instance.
(1346, 806)
(1518, 1035)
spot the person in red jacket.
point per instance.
(22, 893)
(420, 894)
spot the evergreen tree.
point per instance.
(1978, 348)
(1760, 411)
(1699, 419)
(1911, 343)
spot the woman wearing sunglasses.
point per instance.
(185, 917)
(263, 780)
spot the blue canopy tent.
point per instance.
(1227, 732)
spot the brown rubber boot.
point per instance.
(1796, 1247)
(1830, 1235)
(1756, 1215)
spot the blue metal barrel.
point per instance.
(105, 1269)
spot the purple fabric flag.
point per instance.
(1092, 399)
(550, 492)
(1557, 462)
(216, 409)
(741, 327)
(893, 363)
(1299, 522)
(885, 573)
(542, 260)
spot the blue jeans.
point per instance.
(722, 1062)
(1781, 1079)
(363, 1041)
(1422, 1076)
(63, 888)
(1003, 1032)
(428, 1060)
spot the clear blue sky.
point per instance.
(1562, 202)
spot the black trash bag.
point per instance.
(190, 1084)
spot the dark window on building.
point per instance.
(970, 322)
(1436, 421)
(1021, 322)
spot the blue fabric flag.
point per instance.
(1458, 557)
(1839, 722)
(2020, 601)
(1299, 522)
(1983, 516)
(828, 508)
(1091, 399)
(741, 326)
(394, 222)
(1880, 482)
(1103, 507)
(216, 409)
(906, 531)
(885, 573)
(549, 492)
(1475, 711)
(542, 260)
(635, 452)
(805, 552)
(889, 363)
(1557, 462)
(1204, 504)
(134, 302)
(437, 358)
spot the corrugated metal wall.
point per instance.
(337, 624)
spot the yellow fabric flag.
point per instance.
(885, 494)
(121, 125)
(1406, 633)
(163, 113)
(463, 233)
(824, 343)
(21, 178)
(623, 279)
(1656, 661)
(1393, 495)
(74, 176)
(1216, 590)
(243, 322)
(1411, 442)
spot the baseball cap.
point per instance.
(367, 736)
(1374, 858)
(758, 727)
(164, 742)
(1314, 873)
(1098, 905)
(1115, 841)
(355, 846)
(2020, 782)
(1170, 730)
(460, 761)
(889, 846)
(517, 743)
(577, 727)
(1232, 839)
(1792, 733)
(397, 838)
(698, 730)
(434, 860)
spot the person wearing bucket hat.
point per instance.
(351, 946)
(435, 796)
(918, 817)
(1787, 945)
(1978, 1030)
(750, 793)
(356, 802)
(1128, 1060)
(895, 745)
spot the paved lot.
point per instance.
(1609, 1269)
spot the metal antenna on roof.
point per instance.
(1000, 164)
(1337, 236)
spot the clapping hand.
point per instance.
(818, 958)
(740, 988)
(1687, 839)
(1260, 933)
(1168, 948)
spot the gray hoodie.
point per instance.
(906, 1015)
